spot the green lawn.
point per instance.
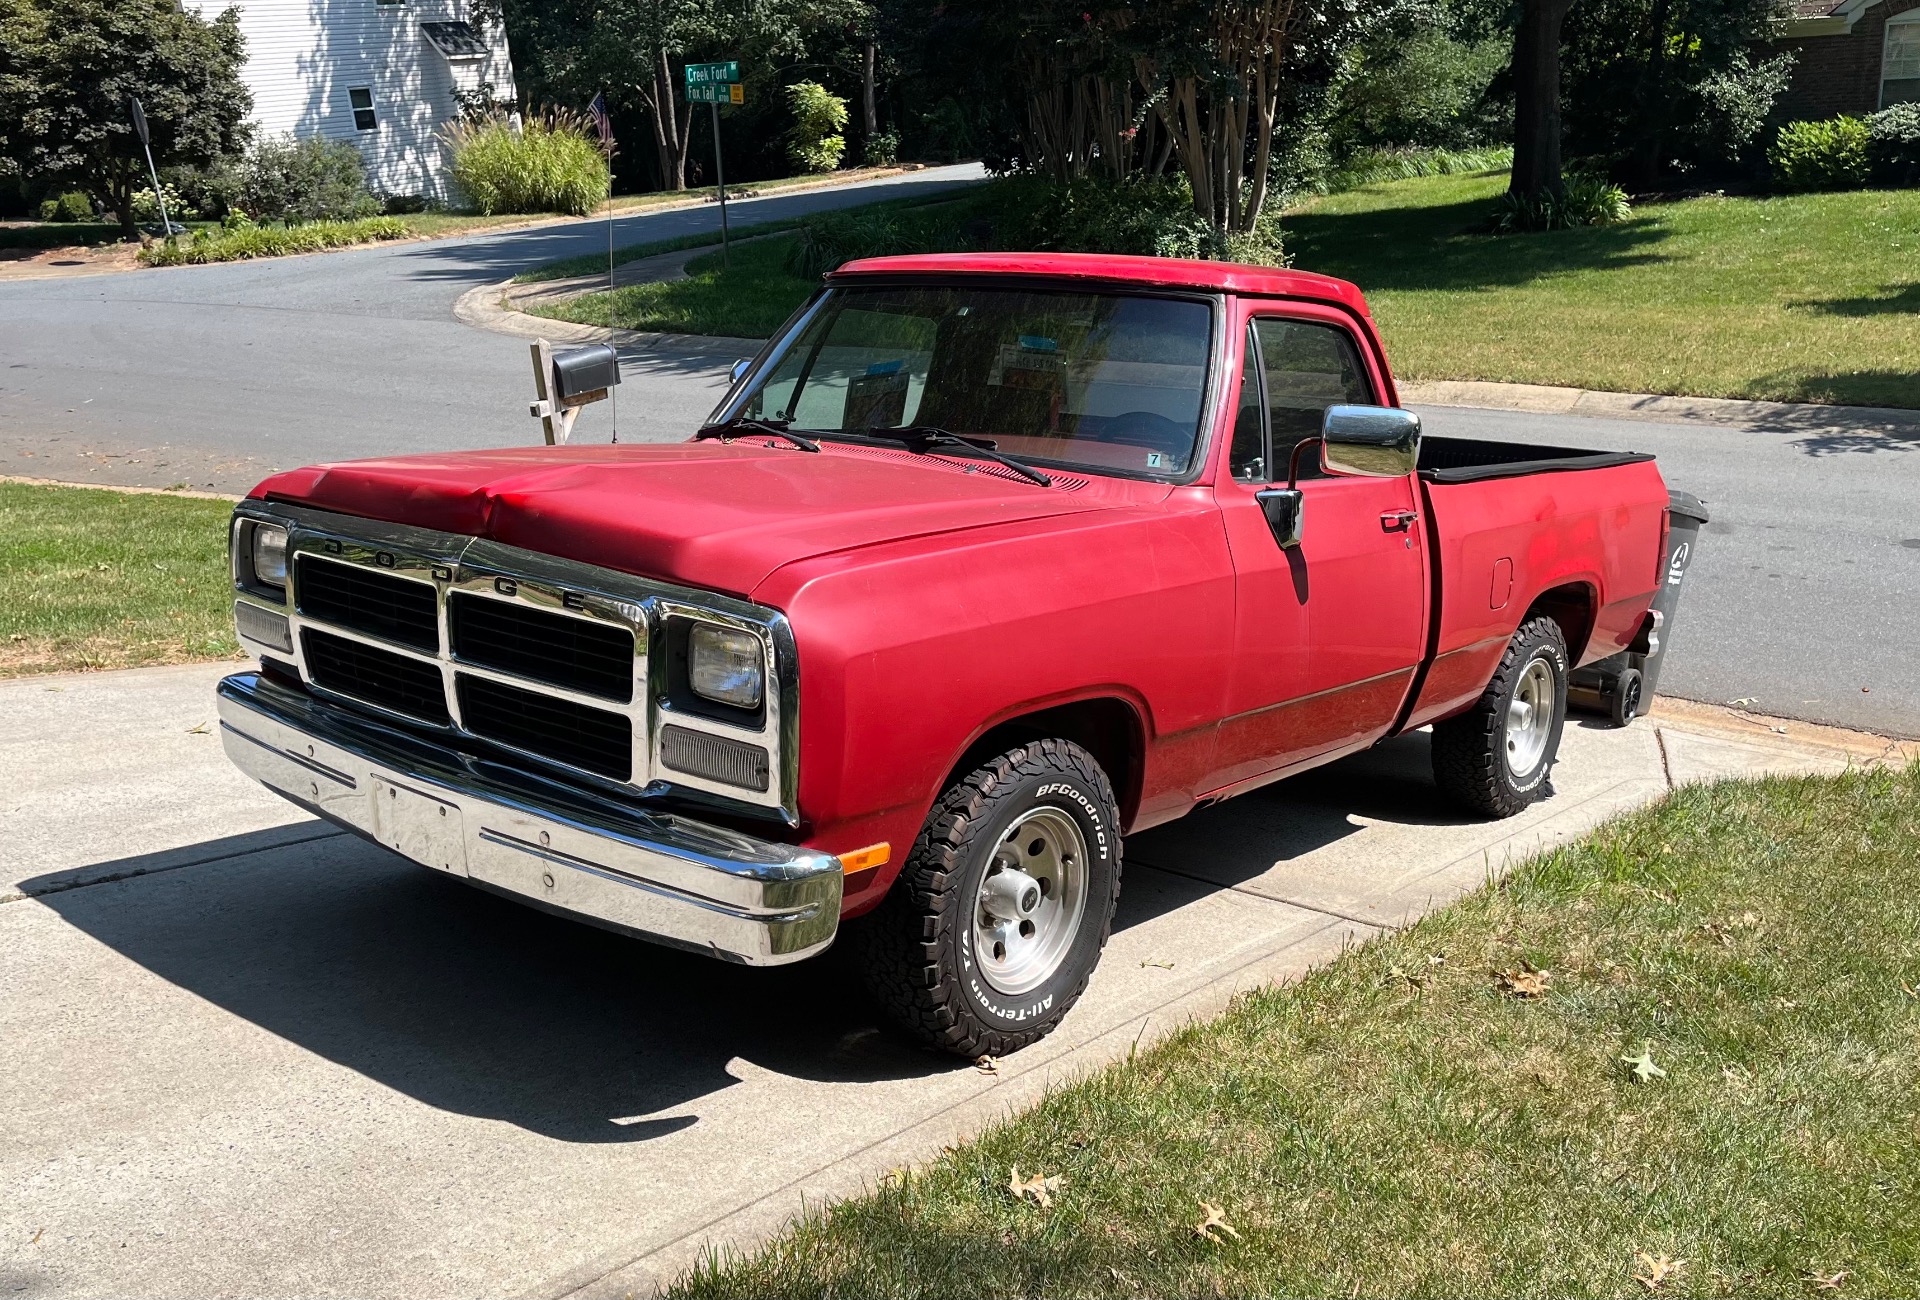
(100, 579)
(1807, 298)
(1454, 1110)
(751, 299)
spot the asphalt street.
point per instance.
(1804, 598)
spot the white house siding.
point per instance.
(303, 56)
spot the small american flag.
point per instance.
(601, 122)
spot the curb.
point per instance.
(114, 487)
(1765, 417)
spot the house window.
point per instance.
(361, 97)
(1900, 75)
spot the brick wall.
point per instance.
(1839, 74)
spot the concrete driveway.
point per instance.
(248, 1054)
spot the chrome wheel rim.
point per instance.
(1030, 901)
(1530, 719)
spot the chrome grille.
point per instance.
(544, 660)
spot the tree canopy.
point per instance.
(67, 68)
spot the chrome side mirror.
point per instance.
(1283, 508)
(740, 368)
(1369, 441)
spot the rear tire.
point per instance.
(991, 932)
(1495, 758)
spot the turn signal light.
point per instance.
(874, 855)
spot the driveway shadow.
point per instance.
(475, 1004)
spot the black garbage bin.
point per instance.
(1622, 686)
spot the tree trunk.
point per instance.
(669, 130)
(1653, 99)
(869, 112)
(1536, 96)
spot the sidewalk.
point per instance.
(260, 1056)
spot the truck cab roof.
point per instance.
(1108, 268)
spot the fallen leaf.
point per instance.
(1437, 959)
(1644, 1070)
(200, 730)
(986, 1064)
(1163, 965)
(1417, 981)
(37, 1234)
(1524, 983)
(1216, 1219)
(1829, 1283)
(1040, 1188)
(1742, 702)
(1658, 1269)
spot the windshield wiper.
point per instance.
(745, 426)
(927, 437)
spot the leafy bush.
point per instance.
(1371, 166)
(1585, 201)
(883, 149)
(74, 205)
(1830, 155)
(1893, 145)
(147, 208)
(547, 164)
(814, 142)
(403, 205)
(305, 180)
(243, 241)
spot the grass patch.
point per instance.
(1803, 298)
(1404, 1122)
(750, 299)
(91, 578)
(590, 263)
(247, 242)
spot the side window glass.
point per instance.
(1248, 457)
(1309, 367)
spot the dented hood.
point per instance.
(716, 515)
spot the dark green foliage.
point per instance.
(67, 68)
(305, 180)
(1830, 155)
(1656, 88)
(244, 240)
(1426, 80)
(74, 205)
(1893, 145)
(1585, 201)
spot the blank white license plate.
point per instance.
(424, 828)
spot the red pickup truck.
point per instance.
(983, 564)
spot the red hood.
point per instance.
(720, 516)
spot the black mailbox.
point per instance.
(581, 371)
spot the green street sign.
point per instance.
(702, 74)
(715, 93)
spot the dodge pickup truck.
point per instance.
(984, 563)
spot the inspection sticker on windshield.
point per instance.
(1153, 460)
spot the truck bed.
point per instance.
(1470, 460)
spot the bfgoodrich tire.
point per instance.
(1495, 758)
(1000, 914)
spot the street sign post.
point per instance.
(139, 116)
(714, 84)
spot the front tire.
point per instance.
(1495, 758)
(991, 932)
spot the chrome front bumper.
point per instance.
(656, 876)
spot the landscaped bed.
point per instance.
(1806, 298)
(92, 578)
(1681, 1056)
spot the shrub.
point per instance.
(1585, 201)
(814, 142)
(243, 241)
(1893, 145)
(1830, 155)
(883, 149)
(1371, 166)
(147, 208)
(403, 205)
(74, 205)
(305, 180)
(547, 164)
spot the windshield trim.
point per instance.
(1216, 303)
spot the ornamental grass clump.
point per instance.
(547, 164)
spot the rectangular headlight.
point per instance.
(268, 555)
(725, 665)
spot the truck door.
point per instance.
(1328, 633)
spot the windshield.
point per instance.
(1106, 381)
